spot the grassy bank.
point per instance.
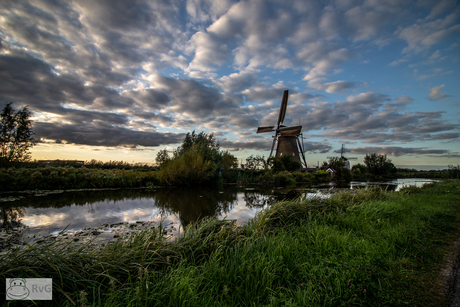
(370, 248)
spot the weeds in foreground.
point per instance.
(370, 248)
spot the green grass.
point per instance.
(370, 248)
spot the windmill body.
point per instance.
(286, 138)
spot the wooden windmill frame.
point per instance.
(286, 138)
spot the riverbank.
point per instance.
(368, 248)
(72, 178)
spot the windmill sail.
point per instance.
(283, 108)
(265, 129)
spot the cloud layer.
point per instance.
(142, 73)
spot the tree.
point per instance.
(162, 157)
(359, 168)
(290, 164)
(283, 163)
(16, 136)
(253, 163)
(196, 161)
(206, 144)
(229, 161)
(379, 164)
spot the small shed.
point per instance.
(331, 171)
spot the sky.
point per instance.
(121, 80)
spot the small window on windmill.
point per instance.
(293, 154)
(281, 154)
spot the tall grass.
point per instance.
(369, 248)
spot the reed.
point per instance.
(369, 248)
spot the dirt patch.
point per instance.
(450, 275)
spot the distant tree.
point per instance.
(255, 162)
(275, 164)
(379, 164)
(324, 166)
(16, 136)
(229, 161)
(359, 168)
(162, 157)
(453, 172)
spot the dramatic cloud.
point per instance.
(209, 53)
(396, 151)
(101, 134)
(237, 82)
(425, 33)
(143, 73)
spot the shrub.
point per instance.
(190, 168)
(322, 176)
(283, 179)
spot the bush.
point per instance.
(284, 179)
(190, 168)
(322, 176)
(61, 178)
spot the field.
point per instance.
(368, 248)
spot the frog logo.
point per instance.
(17, 289)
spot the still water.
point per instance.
(175, 208)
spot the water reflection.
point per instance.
(179, 207)
(11, 218)
(191, 204)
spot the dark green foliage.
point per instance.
(190, 168)
(322, 176)
(16, 136)
(229, 161)
(162, 157)
(205, 144)
(290, 164)
(283, 163)
(359, 168)
(62, 178)
(94, 164)
(284, 178)
(379, 164)
(255, 162)
(197, 161)
(453, 172)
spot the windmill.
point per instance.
(344, 159)
(287, 138)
